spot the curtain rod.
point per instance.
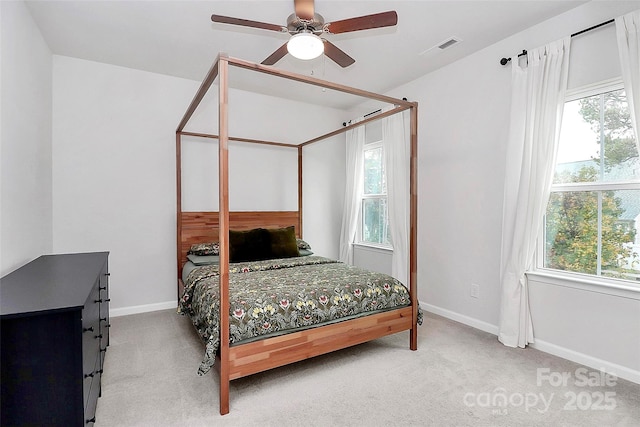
(505, 61)
(368, 114)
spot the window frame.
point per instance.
(373, 145)
(591, 282)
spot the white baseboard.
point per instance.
(469, 321)
(590, 361)
(574, 356)
(137, 309)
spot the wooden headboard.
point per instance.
(203, 227)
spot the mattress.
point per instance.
(188, 268)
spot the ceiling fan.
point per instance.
(306, 26)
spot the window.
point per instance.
(374, 217)
(592, 221)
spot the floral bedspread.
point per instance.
(271, 296)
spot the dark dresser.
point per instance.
(54, 332)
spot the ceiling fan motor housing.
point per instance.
(296, 25)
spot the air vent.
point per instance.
(448, 43)
(443, 44)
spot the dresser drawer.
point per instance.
(90, 351)
(92, 391)
(91, 333)
(40, 370)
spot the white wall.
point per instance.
(463, 125)
(114, 173)
(114, 170)
(587, 324)
(372, 258)
(25, 145)
(271, 184)
(324, 172)
(273, 178)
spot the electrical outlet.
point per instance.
(475, 290)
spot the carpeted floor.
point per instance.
(459, 376)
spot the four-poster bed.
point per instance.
(246, 358)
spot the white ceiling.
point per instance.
(177, 38)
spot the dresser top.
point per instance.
(51, 282)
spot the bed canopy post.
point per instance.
(179, 205)
(223, 180)
(300, 191)
(413, 222)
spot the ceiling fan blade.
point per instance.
(337, 55)
(247, 23)
(377, 20)
(276, 56)
(304, 9)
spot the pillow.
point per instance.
(205, 249)
(302, 244)
(305, 252)
(283, 242)
(250, 245)
(204, 259)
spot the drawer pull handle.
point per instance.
(98, 301)
(90, 421)
(98, 336)
(94, 373)
(103, 350)
(87, 329)
(102, 288)
(107, 300)
(107, 274)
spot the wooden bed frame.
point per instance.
(196, 227)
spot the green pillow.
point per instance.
(283, 242)
(250, 245)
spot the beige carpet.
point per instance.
(459, 376)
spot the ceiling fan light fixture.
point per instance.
(305, 45)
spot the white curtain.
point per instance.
(537, 103)
(354, 183)
(397, 155)
(628, 33)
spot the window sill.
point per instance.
(374, 247)
(587, 283)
